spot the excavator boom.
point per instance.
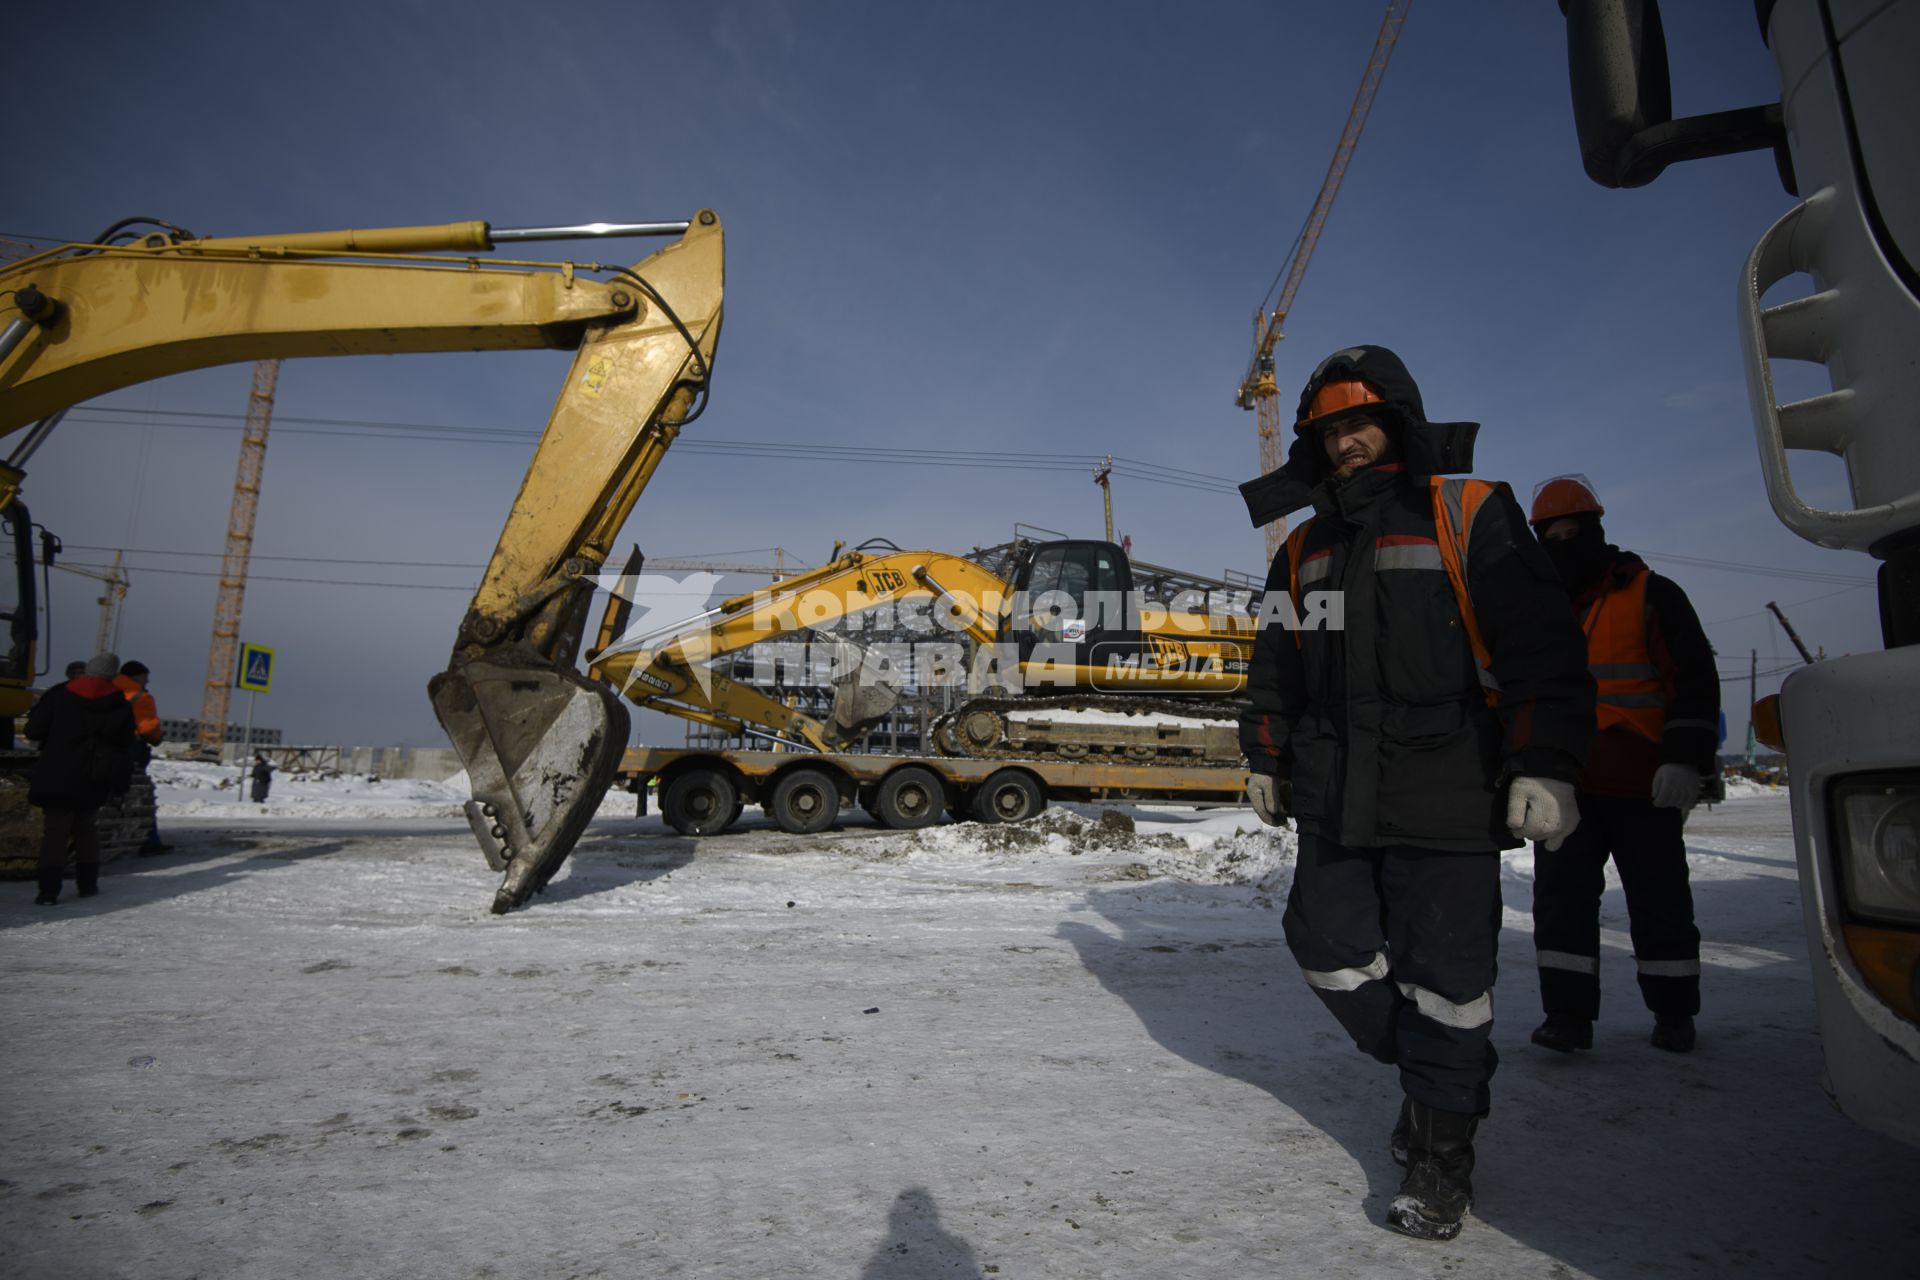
(541, 741)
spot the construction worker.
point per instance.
(86, 738)
(1659, 718)
(132, 681)
(1403, 777)
(262, 775)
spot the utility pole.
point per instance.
(225, 644)
(1103, 476)
(1753, 696)
(1791, 633)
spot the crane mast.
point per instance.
(1258, 390)
(225, 644)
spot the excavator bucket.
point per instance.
(541, 748)
(864, 692)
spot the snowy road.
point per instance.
(302, 1048)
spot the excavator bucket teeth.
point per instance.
(541, 748)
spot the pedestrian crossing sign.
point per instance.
(256, 669)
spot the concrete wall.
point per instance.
(434, 764)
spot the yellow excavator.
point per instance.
(1063, 653)
(145, 299)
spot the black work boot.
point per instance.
(49, 894)
(87, 888)
(1673, 1032)
(1563, 1033)
(1397, 1144)
(1438, 1187)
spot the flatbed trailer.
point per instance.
(703, 790)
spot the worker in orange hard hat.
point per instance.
(132, 682)
(1659, 731)
(1445, 719)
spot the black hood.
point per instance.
(1423, 448)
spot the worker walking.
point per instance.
(1446, 721)
(133, 680)
(262, 775)
(85, 732)
(1659, 730)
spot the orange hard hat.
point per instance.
(1564, 496)
(1337, 397)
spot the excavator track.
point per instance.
(1018, 728)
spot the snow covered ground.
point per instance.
(300, 1047)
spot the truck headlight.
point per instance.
(1879, 847)
(1877, 825)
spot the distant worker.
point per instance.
(86, 737)
(133, 680)
(76, 669)
(1445, 722)
(1659, 721)
(262, 775)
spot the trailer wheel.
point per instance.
(1008, 796)
(700, 802)
(909, 799)
(804, 802)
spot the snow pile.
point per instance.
(1748, 789)
(1223, 847)
(191, 789)
(1101, 716)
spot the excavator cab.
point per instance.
(1075, 610)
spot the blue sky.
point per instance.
(1000, 227)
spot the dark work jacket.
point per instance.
(1623, 762)
(85, 731)
(1382, 726)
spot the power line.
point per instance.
(314, 582)
(881, 455)
(1765, 571)
(1760, 675)
(1759, 613)
(387, 564)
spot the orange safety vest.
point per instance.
(146, 713)
(1455, 503)
(1632, 695)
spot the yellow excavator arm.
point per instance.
(670, 672)
(540, 741)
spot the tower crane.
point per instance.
(1258, 390)
(113, 591)
(225, 644)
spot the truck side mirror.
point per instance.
(1623, 98)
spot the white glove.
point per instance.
(1263, 792)
(1676, 786)
(1542, 809)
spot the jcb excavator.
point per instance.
(1070, 642)
(540, 741)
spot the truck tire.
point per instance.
(909, 799)
(700, 802)
(1008, 796)
(803, 802)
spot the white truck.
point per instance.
(1846, 138)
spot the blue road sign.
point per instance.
(256, 669)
